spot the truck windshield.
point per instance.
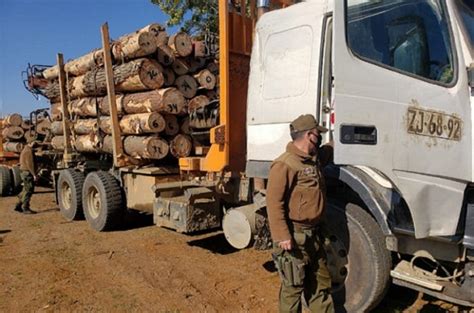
(466, 12)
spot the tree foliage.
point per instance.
(194, 16)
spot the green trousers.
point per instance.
(303, 271)
(28, 189)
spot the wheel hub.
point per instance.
(93, 202)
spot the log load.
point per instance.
(15, 147)
(187, 85)
(43, 127)
(169, 77)
(86, 143)
(181, 146)
(85, 107)
(107, 144)
(56, 111)
(26, 124)
(136, 124)
(14, 119)
(168, 100)
(56, 128)
(104, 105)
(172, 125)
(151, 147)
(13, 133)
(85, 126)
(206, 79)
(79, 66)
(30, 135)
(136, 75)
(184, 128)
(159, 33)
(57, 143)
(181, 66)
(181, 44)
(198, 102)
(165, 55)
(135, 45)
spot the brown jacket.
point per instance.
(27, 161)
(296, 191)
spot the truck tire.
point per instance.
(103, 201)
(5, 181)
(69, 189)
(16, 179)
(357, 257)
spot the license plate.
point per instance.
(434, 124)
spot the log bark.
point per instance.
(85, 126)
(169, 76)
(196, 64)
(15, 147)
(57, 143)
(136, 75)
(142, 123)
(85, 63)
(13, 132)
(180, 66)
(51, 72)
(206, 79)
(199, 48)
(104, 105)
(134, 45)
(107, 145)
(30, 135)
(86, 143)
(57, 128)
(14, 119)
(43, 127)
(85, 107)
(151, 147)
(185, 129)
(181, 146)
(159, 33)
(181, 44)
(26, 124)
(213, 67)
(198, 102)
(56, 111)
(51, 91)
(168, 100)
(165, 55)
(172, 125)
(187, 85)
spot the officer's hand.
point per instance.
(285, 245)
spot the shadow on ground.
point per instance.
(215, 243)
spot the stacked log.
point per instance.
(160, 81)
(16, 132)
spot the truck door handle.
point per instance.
(358, 135)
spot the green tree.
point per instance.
(194, 16)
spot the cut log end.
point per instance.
(181, 43)
(187, 85)
(181, 146)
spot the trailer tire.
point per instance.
(103, 201)
(16, 179)
(354, 238)
(69, 189)
(5, 181)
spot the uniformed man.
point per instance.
(296, 199)
(28, 176)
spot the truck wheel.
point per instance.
(5, 181)
(357, 258)
(69, 189)
(103, 201)
(16, 184)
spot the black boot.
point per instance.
(28, 211)
(18, 207)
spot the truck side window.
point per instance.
(411, 36)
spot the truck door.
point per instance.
(401, 104)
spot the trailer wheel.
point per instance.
(357, 257)
(69, 189)
(16, 177)
(5, 181)
(103, 201)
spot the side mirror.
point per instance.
(470, 75)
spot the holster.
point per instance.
(290, 269)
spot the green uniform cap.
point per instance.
(306, 122)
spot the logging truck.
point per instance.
(392, 80)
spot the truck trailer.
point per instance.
(392, 80)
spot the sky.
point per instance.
(34, 31)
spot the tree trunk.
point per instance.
(85, 63)
(181, 146)
(168, 100)
(142, 123)
(180, 67)
(198, 102)
(165, 55)
(146, 147)
(13, 120)
(135, 45)
(86, 143)
(26, 124)
(104, 105)
(107, 145)
(51, 91)
(56, 111)
(169, 76)
(51, 72)
(187, 85)
(15, 147)
(206, 79)
(57, 143)
(136, 75)
(181, 44)
(159, 33)
(13, 132)
(85, 126)
(43, 127)
(185, 129)
(29, 135)
(57, 128)
(172, 126)
(85, 107)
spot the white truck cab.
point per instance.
(393, 81)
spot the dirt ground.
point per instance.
(48, 264)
